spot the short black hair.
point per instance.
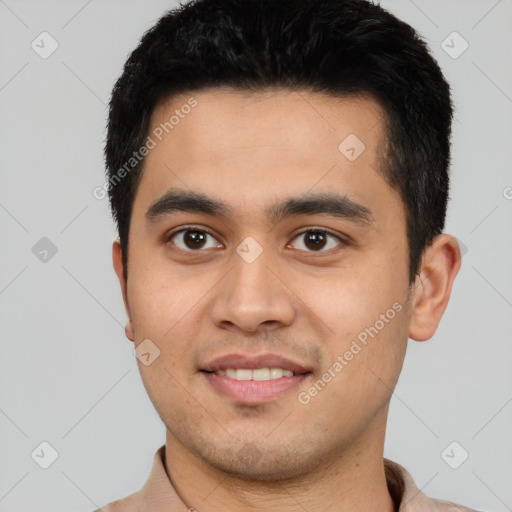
(338, 47)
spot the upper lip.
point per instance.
(251, 362)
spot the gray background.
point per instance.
(68, 375)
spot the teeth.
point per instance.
(243, 374)
(257, 374)
(260, 374)
(276, 373)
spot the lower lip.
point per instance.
(253, 391)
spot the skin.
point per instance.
(251, 150)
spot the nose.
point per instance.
(253, 297)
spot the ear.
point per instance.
(431, 292)
(117, 259)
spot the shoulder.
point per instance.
(128, 504)
(436, 505)
(411, 499)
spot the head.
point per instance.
(338, 48)
(248, 120)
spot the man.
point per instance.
(278, 171)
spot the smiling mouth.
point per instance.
(253, 378)
(253, 387)
(257, 374)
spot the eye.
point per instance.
(191, 239)
(317, 240)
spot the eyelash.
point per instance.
(323, 231)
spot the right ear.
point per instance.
(117, 259)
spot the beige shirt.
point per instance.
(158, 494)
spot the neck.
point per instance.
(349, 481)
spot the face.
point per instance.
(264, 236)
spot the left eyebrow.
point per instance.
(331, 204)
(335, 205)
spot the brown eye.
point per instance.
(316, 241)
(193, 240)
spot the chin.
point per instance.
(252, 462)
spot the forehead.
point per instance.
(226, 119)
(251, 147)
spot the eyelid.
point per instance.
(191, 227)
(316, 229)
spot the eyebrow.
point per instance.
(335, 205)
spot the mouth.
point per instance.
(254, 379)
(258, 374)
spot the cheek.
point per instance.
(356, 301)
(373, 337)
(369, 314)
(160, 299)
(358, 373)
(164, 315)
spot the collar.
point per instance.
(159, 495)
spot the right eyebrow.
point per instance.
(176, 200)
